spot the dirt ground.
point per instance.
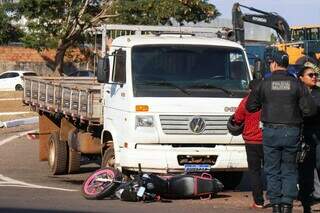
(7, 105)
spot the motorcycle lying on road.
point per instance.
(109, 182)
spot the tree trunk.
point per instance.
(59, 57)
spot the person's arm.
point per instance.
(240, 112)
(254, 100)
(306, 102)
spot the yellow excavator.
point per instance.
(297, 42)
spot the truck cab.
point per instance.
(166, 103)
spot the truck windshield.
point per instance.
(189, 71)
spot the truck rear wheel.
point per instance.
(73, 161)
(108, 159)
(58, 155)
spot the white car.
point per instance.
(13, 79)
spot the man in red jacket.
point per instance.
(252, 135)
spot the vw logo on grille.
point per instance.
(197, 125)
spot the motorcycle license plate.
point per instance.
(196, 167)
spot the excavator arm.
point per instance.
(267, 19)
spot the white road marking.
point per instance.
(14, 182)
(6, 181)
(4, 141)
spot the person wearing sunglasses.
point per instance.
(311, 131)
(283, 101)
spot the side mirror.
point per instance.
(257, 69)
(103, 70)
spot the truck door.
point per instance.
(116, 92)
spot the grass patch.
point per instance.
(11, 94)
(14, 106)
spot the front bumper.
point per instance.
(164, 158)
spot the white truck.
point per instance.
(161, 101)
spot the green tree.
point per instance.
(155, 12)
(60, 24)
(8, 31)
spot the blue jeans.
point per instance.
(280, 147)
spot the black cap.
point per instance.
(280, 57)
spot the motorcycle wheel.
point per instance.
(92, 189)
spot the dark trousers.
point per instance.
(255, 162)
(306, 169)
(314, 135)
(280, 147)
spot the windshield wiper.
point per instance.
(210, 86)
(165, 83)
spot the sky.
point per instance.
(296, 12)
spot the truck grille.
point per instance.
(182, 124)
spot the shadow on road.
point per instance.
(88, 169)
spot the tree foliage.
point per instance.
(60, 24)
(8, 31)
(155, 12)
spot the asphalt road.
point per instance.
(26, 186)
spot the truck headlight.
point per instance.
(144, 121)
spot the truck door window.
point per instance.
(119, 67)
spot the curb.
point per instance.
(19, 122)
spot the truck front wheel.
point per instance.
(58, 155)
(108, 159)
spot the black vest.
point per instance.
(282, 99)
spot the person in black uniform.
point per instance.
(311, 132)
(283, 101)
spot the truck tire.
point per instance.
(58, 155)
(230, 180)
(73, 161)
(108, 159)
